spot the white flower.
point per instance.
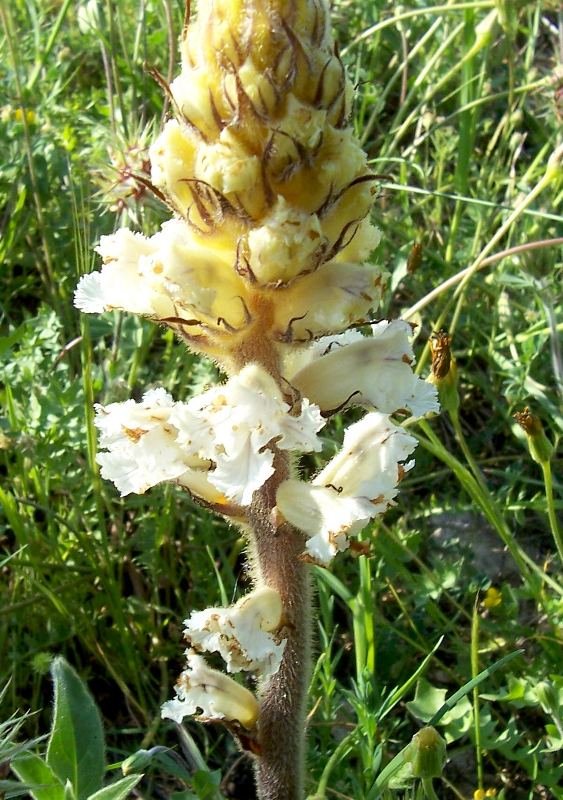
(174, 273)
(352, 369)
(359, 483)
(218, 444)
(142, 448)
(121, 284)
(233, 425)
(242, 633)
(216, 696)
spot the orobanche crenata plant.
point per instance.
(264, 269)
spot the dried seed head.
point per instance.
(541, 449)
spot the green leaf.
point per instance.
(398, 694)
(118, 790)
(76, 745)
(69, 791)
(458, 720)
(38, 776)
(427, 700)
(206, 783)
(159, 756)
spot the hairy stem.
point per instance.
(281, 731)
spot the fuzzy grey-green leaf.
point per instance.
(76, 745)
(118, 790)
(38, 776)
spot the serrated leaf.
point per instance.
(38, 776)
(76, 745)
(118, 790)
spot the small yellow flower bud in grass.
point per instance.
(539, 445)
(479, 794)
(493, 598)
(427, 753)
(444, 371)
(485, 30)
(28, 113)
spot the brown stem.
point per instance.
(281, 723)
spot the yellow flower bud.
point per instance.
(493, 598)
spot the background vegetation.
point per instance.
(459, 105)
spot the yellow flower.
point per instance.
(493, 598)
(479, 794)
(30, 115)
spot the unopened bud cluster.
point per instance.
(263, 268)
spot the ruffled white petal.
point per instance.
(89, 295)
(174, 273)
(325, 515)
(242, 633)
(368, 462)
(141, 444)
(359, 483)
(219, 444)
(233, 425)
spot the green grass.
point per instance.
(461, 130)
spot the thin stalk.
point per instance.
(489, 98)
(345, 747)
(553, 523)
(375, 114)
(363, 623)
(474, 673)
(475, 201)
(32, 80)
(399, 124)
(429, 790)
(462, 442)
(466, 130)
(111, 18)
(276, 562)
